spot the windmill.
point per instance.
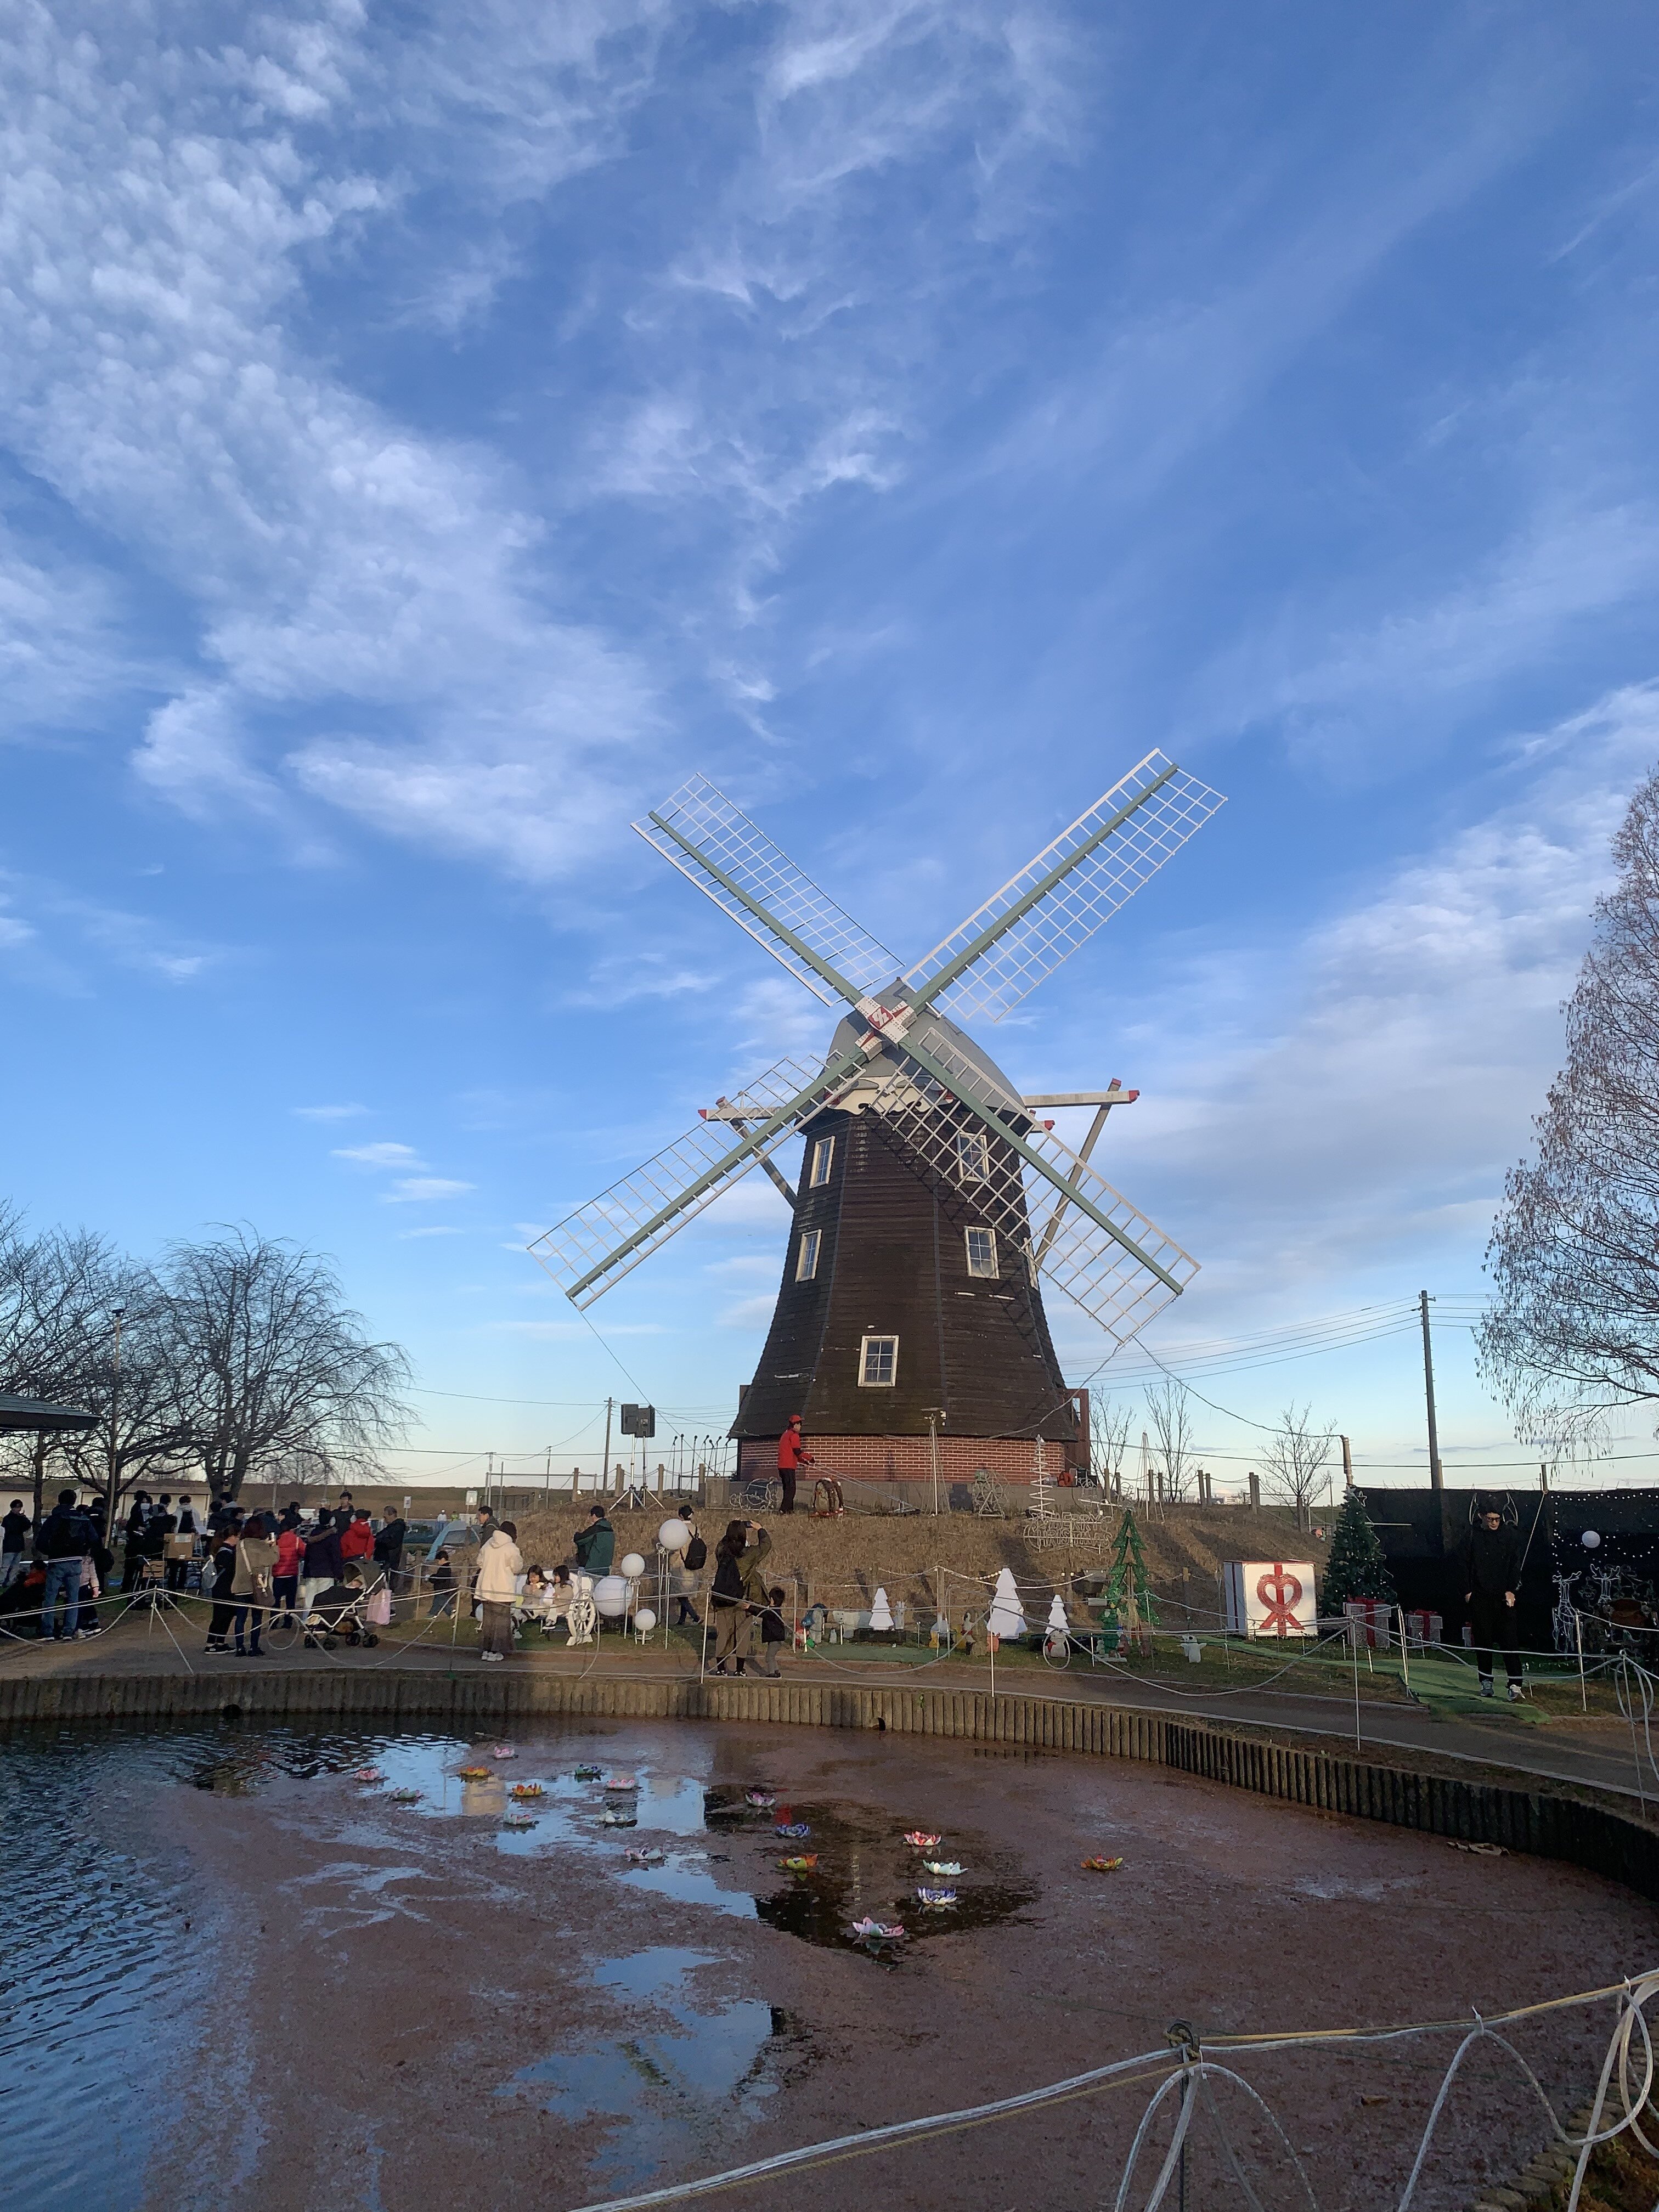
(934, 1203)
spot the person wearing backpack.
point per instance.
(685, 1576)
(740, 1591)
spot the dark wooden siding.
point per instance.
(894, 1261)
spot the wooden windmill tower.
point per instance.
(935, 1204)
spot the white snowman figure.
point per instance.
(881, 1614)
(1005, 1618)
(1059, 1629)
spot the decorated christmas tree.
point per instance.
(1356, 1568)
(1128, 1604)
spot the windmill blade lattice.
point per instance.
(599, 1243)
(1108, 1256)
(1057, 901)
(715, 845)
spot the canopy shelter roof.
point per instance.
(39, 1414)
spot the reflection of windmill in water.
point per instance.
(933, 1205)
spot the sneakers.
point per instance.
(1486, 1686)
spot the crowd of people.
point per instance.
(244, 1562)
(248, 1565)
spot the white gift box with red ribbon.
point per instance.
(1270, 1598)
(1369, 1620)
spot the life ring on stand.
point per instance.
(827, 1504)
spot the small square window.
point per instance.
(982, 1253)
(878, 1363)
(806, 1260)
(822, 1152)
(973, 1155)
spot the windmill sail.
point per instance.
(1058, 900)
(715, 846)
(599, 1243)
(1110, 1258)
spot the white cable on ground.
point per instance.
(1190, 2071)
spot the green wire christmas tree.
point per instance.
(1356, 1568)
(1128, 1604)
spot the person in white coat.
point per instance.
(499, 1569)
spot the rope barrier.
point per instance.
(1186, 2071)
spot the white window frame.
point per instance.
(867, 1380)
(975, 1142)
(807, 1255)
(824, 1153)
(992, 1273)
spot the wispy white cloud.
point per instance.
(1360, 1093)
(348, 572)
(418, 1189)
(64, 940)
(382, 1155)
(348, 1112)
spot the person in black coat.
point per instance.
(1491, 1579)
(389, 1549)
(224, 1606)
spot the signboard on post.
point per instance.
(1270, 1598)
(639, 1420)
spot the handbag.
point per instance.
(379, 1608)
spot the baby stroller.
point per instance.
(340, 1611)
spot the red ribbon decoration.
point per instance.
(1280, 1593)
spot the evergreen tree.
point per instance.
(1129, 1604)
(1356, 1568)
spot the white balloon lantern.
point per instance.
(610, 1596)
(1589, 1540)
(645, 1621)
(632, 1565)
(674, 1535)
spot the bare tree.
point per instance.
(1297, 1459)
(52, 1313)
(1574, 1330)
(132, 1382)
(55, 1328)
(270, 1361)
(1172, 1425)
(1109, 1419)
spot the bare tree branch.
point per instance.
(1297, 1459)
(1166, 1409)
(1574, 1330)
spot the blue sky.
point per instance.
(427, 435)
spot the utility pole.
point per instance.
(1347, 1464)
(1436, 1481)
(604, 1464)
(934, 1416)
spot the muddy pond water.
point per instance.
(283, 1967)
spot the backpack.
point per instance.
(696, 1554)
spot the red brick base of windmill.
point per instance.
(878, 1471)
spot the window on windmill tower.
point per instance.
(878, 1363)
(973, 1155)
(822, 1152)
(806, 1260)
(982, 1253)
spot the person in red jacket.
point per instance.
(357, 1542)
(792, 1454)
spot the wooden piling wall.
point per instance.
(1542, 1822)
